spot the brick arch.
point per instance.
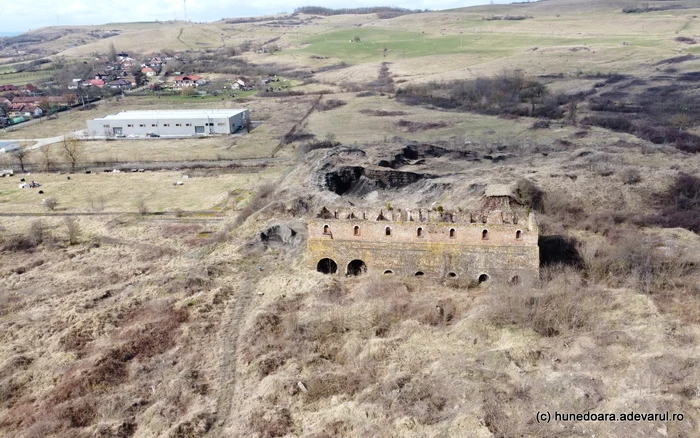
(327, 266)
(356, 267)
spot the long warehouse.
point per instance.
(169, 123)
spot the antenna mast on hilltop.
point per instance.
(184, 2)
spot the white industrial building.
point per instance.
(176, 123)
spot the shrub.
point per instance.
(686, 40)
(37, 232)
(550, 311)
(50, 203)
(141, 206)
(382, 113)
(529, 194)
(329, 104)
(679, 205)
(631, 176)
(261, 198)
(269, 423)
(73, 230)
(314, 145)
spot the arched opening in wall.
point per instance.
(485, 234)
(357, 267)
(387, 231)
(419, 232)
(326, 229)
(420, 274)
(514, 281)
(518, 235)
(483, 278)
(388, 272)
(453, 233)
(356, 231)
(452, 274)
(327, 266)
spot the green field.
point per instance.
(23, 78)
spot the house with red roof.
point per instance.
(148, 71)
(188, 81)
(96, 83)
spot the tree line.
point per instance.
(320, 10)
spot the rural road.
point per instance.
(40, 142)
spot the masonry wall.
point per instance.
(442, 249)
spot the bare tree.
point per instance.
(72, 150)
(45, 106)
(20, 155)
(112, 53)
(47, 161)
(141, 206)
(73, 230)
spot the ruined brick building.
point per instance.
(493, 244)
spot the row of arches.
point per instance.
(356, 231)
(358, 267)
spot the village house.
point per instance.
(148, 71)
(242, 83)
(121, 84)
(4, 88)
(94, 83)
(188, 81)
(25, 110)
(36, 100)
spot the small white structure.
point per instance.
(156, 123)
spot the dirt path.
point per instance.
(282, 142)
(234, 318)
(180, 39)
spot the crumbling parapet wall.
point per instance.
(499, 245)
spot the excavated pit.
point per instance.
(418, 153)
(358, 180)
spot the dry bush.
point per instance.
(382, 113)
(50, 203)
(177, 230)
(141, 206)
(269, 423)
(329, 104)
(261, 198)
(530, 195)
(18, 242)
(37, 232)
(329, 383)
(679, 205)
(631, 176)
(628, 257)
(552, 310)
(317, 144)
(77, 413)
(196, 427)
(686, 40)
(73, 230)
(410, 126)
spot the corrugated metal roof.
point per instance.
(172, 114)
